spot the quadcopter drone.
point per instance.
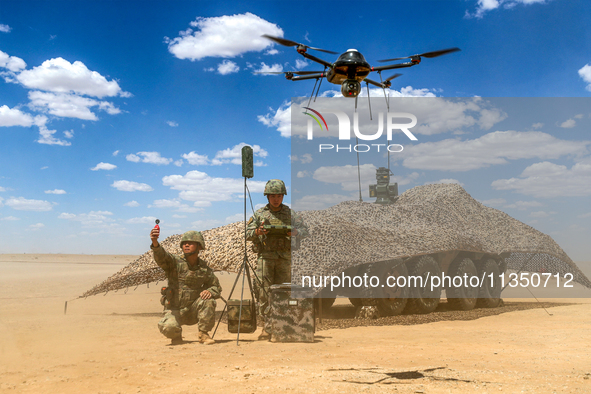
(350, 69)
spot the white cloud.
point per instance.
(148, 157)
(523, 205)
(495, 202)
(321, 201)
(115, 153)
(60, 76)
(225, 36)
(35, 227)
(272, 52)
(46, 136)
(10, 218)
(129, 186)
(142, 220)
(490, 149)
(269, 69)
(22, 204)
(541, 214)
(227, 67)
(202, 189)
(435, 115)
(132, 204)
(239, 217)
(547, 180)
(5, 28)
(484, 6)
(207, 224)
(408, 91)
(303, 174)
(11, 63)
(104, 166)
(347, 175)
(300, 64)
(172, 123)
(234, 155)
(281, 119)
(585, 215)
(176, 204)
(55, 191)
(306, 158)
(91, 219)
(585, 73)
(133, 158)
(195, 159)
(568, 124)
(69, 105)
(14, 117)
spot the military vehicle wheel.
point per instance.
(462, 297)
(394, 297)
(356, 302)
(421, 298)
(490, 291)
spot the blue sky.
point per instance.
(113, 114)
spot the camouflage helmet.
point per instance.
(275, 186)
(193, 236)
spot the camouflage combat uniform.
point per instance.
(184, 305)
(274, 252)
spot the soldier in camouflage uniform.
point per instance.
(274, 251)
(192, 288)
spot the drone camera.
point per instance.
(350, 88)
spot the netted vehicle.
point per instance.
(429, 235)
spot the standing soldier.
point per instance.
(273, 248)
(192, 288)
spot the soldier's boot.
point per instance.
(177, 340)
(265, 336)
(205, 339)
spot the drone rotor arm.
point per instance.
(317, 60)
(311, 76)
(378, 84)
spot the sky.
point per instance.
(116, 113)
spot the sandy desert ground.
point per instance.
(111, 344)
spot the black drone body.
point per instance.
(351, 68)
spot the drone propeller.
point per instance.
(289, 43)
(392, 77)
(426, 54)
(289, 72)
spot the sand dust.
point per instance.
(111, 344)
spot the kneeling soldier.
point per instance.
(192, 288)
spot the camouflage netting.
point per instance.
(424, 220)
(224, 252)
